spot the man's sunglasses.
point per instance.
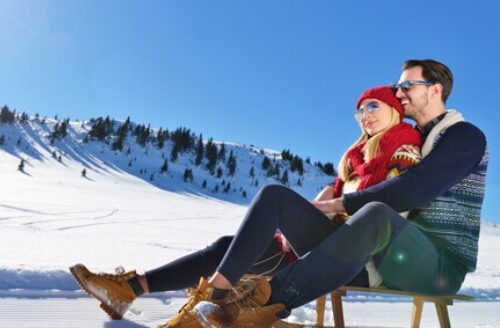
(406, 85)
(370, 107)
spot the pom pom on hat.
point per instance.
(385, 94)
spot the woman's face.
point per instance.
(376, 116)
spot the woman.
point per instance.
(386, 148)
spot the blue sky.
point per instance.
(278, 74)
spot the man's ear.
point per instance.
(437, 91)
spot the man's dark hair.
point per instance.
(435, 72)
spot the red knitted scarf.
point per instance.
(375, 170)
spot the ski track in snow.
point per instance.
(111, 213)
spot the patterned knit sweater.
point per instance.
(453, 218)
(445, 190)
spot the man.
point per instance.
(429, 253)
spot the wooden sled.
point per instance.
(440, 302)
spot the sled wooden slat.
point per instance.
(441, 303)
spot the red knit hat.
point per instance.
(385, 94)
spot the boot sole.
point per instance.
(105, 307)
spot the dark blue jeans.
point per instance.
(331, 256)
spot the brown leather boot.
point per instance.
(249, 311)
(185, 318)
(112, 290)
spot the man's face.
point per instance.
(415, 100)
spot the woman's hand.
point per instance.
(330, 207)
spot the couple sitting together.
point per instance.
(404, 212)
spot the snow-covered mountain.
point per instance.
(33, 142)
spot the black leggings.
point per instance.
(186, 271)
(275, 206)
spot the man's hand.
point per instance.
(330, 207)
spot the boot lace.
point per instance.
(248, 302)
(120, 274)
(194, 299)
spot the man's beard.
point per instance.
(415, 112)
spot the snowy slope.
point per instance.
(30, 141)
(52, 217)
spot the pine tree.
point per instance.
(199, 150)
(6, 116)
(63, 129)
(211, 155)
(219, 172)
(121, 135)
(252, 173)
(276, 170)
(161, 137)
(183, 139)
(297, 164)
(24, 118)
(329, 169)
(55, 132)
(244, 194)
(100, 128)
(2, 140)
(188, 175)
(299, 183)
(20, 167)
(204, 184)
(319, 165)
(286, 155)
(266, 163)
(84, 173)
(271, 170)
(174, 154)
(231, 164)
(222, 153)
(164, 167)
(142, 134)
(284, 178)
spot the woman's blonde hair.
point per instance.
(371, 147)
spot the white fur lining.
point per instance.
(452, 117)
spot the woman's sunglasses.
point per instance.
(406, 85)
(371, 107)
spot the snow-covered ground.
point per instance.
(51, 217)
